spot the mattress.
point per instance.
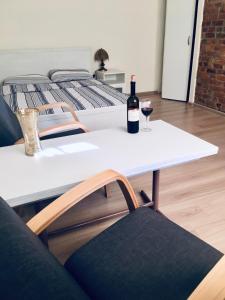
(81, 95)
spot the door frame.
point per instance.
(192, 50)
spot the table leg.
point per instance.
(44, 235)
(154, 202)
(155, 189)
(106, 191)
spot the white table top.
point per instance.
(64, 162)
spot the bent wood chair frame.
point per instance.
(212, 286)
(75, 124)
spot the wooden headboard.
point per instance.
(40, 61)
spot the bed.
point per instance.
(84, 95)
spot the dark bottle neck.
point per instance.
(133, 88)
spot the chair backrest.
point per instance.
(10, 130)
(28, 270)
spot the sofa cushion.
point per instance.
(142, 256)
(28, 270)
(10, 130)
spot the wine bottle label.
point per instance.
(133, 115)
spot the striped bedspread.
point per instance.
(81, 95)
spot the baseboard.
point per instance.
(210, 109)
(148, 94)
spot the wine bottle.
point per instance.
(133, 109)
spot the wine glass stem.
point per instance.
(146, 123)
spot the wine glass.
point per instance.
(146, 109)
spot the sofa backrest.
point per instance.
(28, 270)
(10, 130)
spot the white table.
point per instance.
(67, 161)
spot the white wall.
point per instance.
(131, 31)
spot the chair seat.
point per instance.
(142, 256)
(63, 133)
(28, 270)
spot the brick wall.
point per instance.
(210, 89)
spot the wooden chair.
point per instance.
(142, 256)
(10, 131)
(69, 128)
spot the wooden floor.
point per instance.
(192, 195)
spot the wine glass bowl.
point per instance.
(146, 109)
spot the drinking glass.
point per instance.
(146, 109)
(28, 122)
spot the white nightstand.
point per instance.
(113, 77)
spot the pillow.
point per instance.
(27, 79)
(69, 75)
